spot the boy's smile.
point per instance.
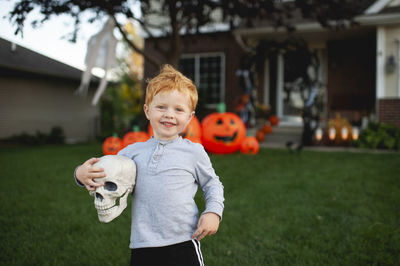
(169, 114)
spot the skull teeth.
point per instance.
(105, 211)
(105, 207)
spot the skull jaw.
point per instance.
(106, 216)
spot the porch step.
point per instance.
(280, 135)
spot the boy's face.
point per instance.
(169, 113)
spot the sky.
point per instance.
(48, 39)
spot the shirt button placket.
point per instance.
(156, 156)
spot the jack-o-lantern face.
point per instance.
(112, 145)
(223, 132)
(250, 145)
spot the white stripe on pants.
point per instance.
(198, 251)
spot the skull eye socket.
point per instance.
(110, 186)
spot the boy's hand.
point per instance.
(208, 225)
(87, 172)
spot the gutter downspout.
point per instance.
(398, 66)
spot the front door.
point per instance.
(282, 89)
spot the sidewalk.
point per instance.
(328, 148)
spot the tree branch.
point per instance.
(147, 56)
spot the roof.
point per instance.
(372, 14)
(21, 59)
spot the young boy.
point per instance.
(165, 228)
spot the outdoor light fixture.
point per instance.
(332, 133)
(355, 132)
(345, 133)
(318, 134)
(390, 65)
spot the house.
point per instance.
(37, 93)
(359, 67)
(211, 61)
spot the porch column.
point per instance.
(279, 85)
(380, 68)
(398, 66)
(266, 83)
(380, 62)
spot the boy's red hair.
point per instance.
(170, 79)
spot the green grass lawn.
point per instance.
(313, 208)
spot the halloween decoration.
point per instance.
(245, 107)
(222, 132)
(112, 145)
(134, 136)
(250, 145)
(192, 131)
(260, 135)
(339, 130)
(100, 53)
(267, 129)
(274, 120)
(111, 198)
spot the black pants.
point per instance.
(182, 254)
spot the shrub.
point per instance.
(56, 136)
(380, 136)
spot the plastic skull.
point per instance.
(111, 198)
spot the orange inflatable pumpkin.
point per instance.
(222, 132)
(274, 120)
(192, 131)
(250, 145)
(112, 145)
(260, 135)
(134, 136)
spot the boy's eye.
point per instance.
(160, 107)
(179, 109)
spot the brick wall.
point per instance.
(205, 43)
(389, 111)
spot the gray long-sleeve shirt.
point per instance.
(168, 174)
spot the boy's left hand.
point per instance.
(208, 225)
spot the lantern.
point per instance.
(250, 145)
(332, 133)
(222, 132)
(134, 136)
(355, 132)
(344, 133)
(318, 134)
(112, 145)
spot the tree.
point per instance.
(173, 18)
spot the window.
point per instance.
(208, 73)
